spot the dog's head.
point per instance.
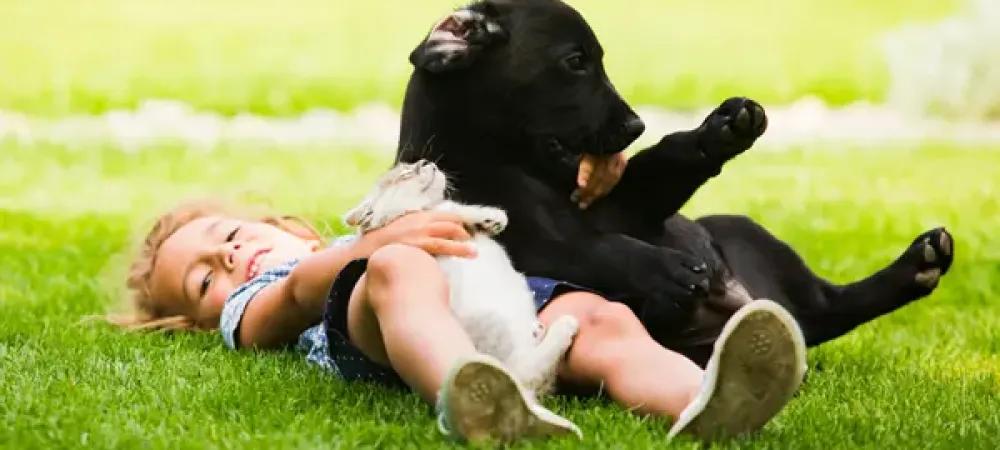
(533, 68)
(404, 188)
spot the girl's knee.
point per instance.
(396, 270)
(610, 335)
(613, 348)
(398, 261)
(611, 321)
(600, 319)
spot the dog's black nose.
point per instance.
(634, 127)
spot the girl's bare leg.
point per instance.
(399, 315)
(758, 364)
(613, 350)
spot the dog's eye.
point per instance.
(575, 63)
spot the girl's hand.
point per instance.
(437, 233)
(597, 176)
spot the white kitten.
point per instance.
(491, 300)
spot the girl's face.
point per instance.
(205, 260)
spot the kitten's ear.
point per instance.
(458, 38)
(358, 215)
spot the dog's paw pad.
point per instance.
(751, 120)
(945, 242)
(741, 117)
(930, 255)
(732, 128)
(935, 252)
(928, 278)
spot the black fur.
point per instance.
(507, 109)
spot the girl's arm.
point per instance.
(282, 310)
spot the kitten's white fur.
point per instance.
(489, 297)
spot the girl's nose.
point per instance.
(227, 254)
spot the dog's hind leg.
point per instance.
(770, 268)
(537, 368)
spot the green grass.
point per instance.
(926, 376)
(285, 56)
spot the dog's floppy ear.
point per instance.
(457, 39)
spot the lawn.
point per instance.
(286, 56)
(927, 376)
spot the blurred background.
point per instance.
(297, 75)
(290, 57)
(281, 57)
(133, 73)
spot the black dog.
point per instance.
(505, 97)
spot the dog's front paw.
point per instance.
(673, 289)
(688, 275)
(491, 220)
(732, 129)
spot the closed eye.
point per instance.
(205, 282)
(232, 235)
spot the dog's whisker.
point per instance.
(427, 148)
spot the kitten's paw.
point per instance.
(565, 327)
(492, 220)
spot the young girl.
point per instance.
(375, 307)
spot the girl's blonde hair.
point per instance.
(145, 313)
